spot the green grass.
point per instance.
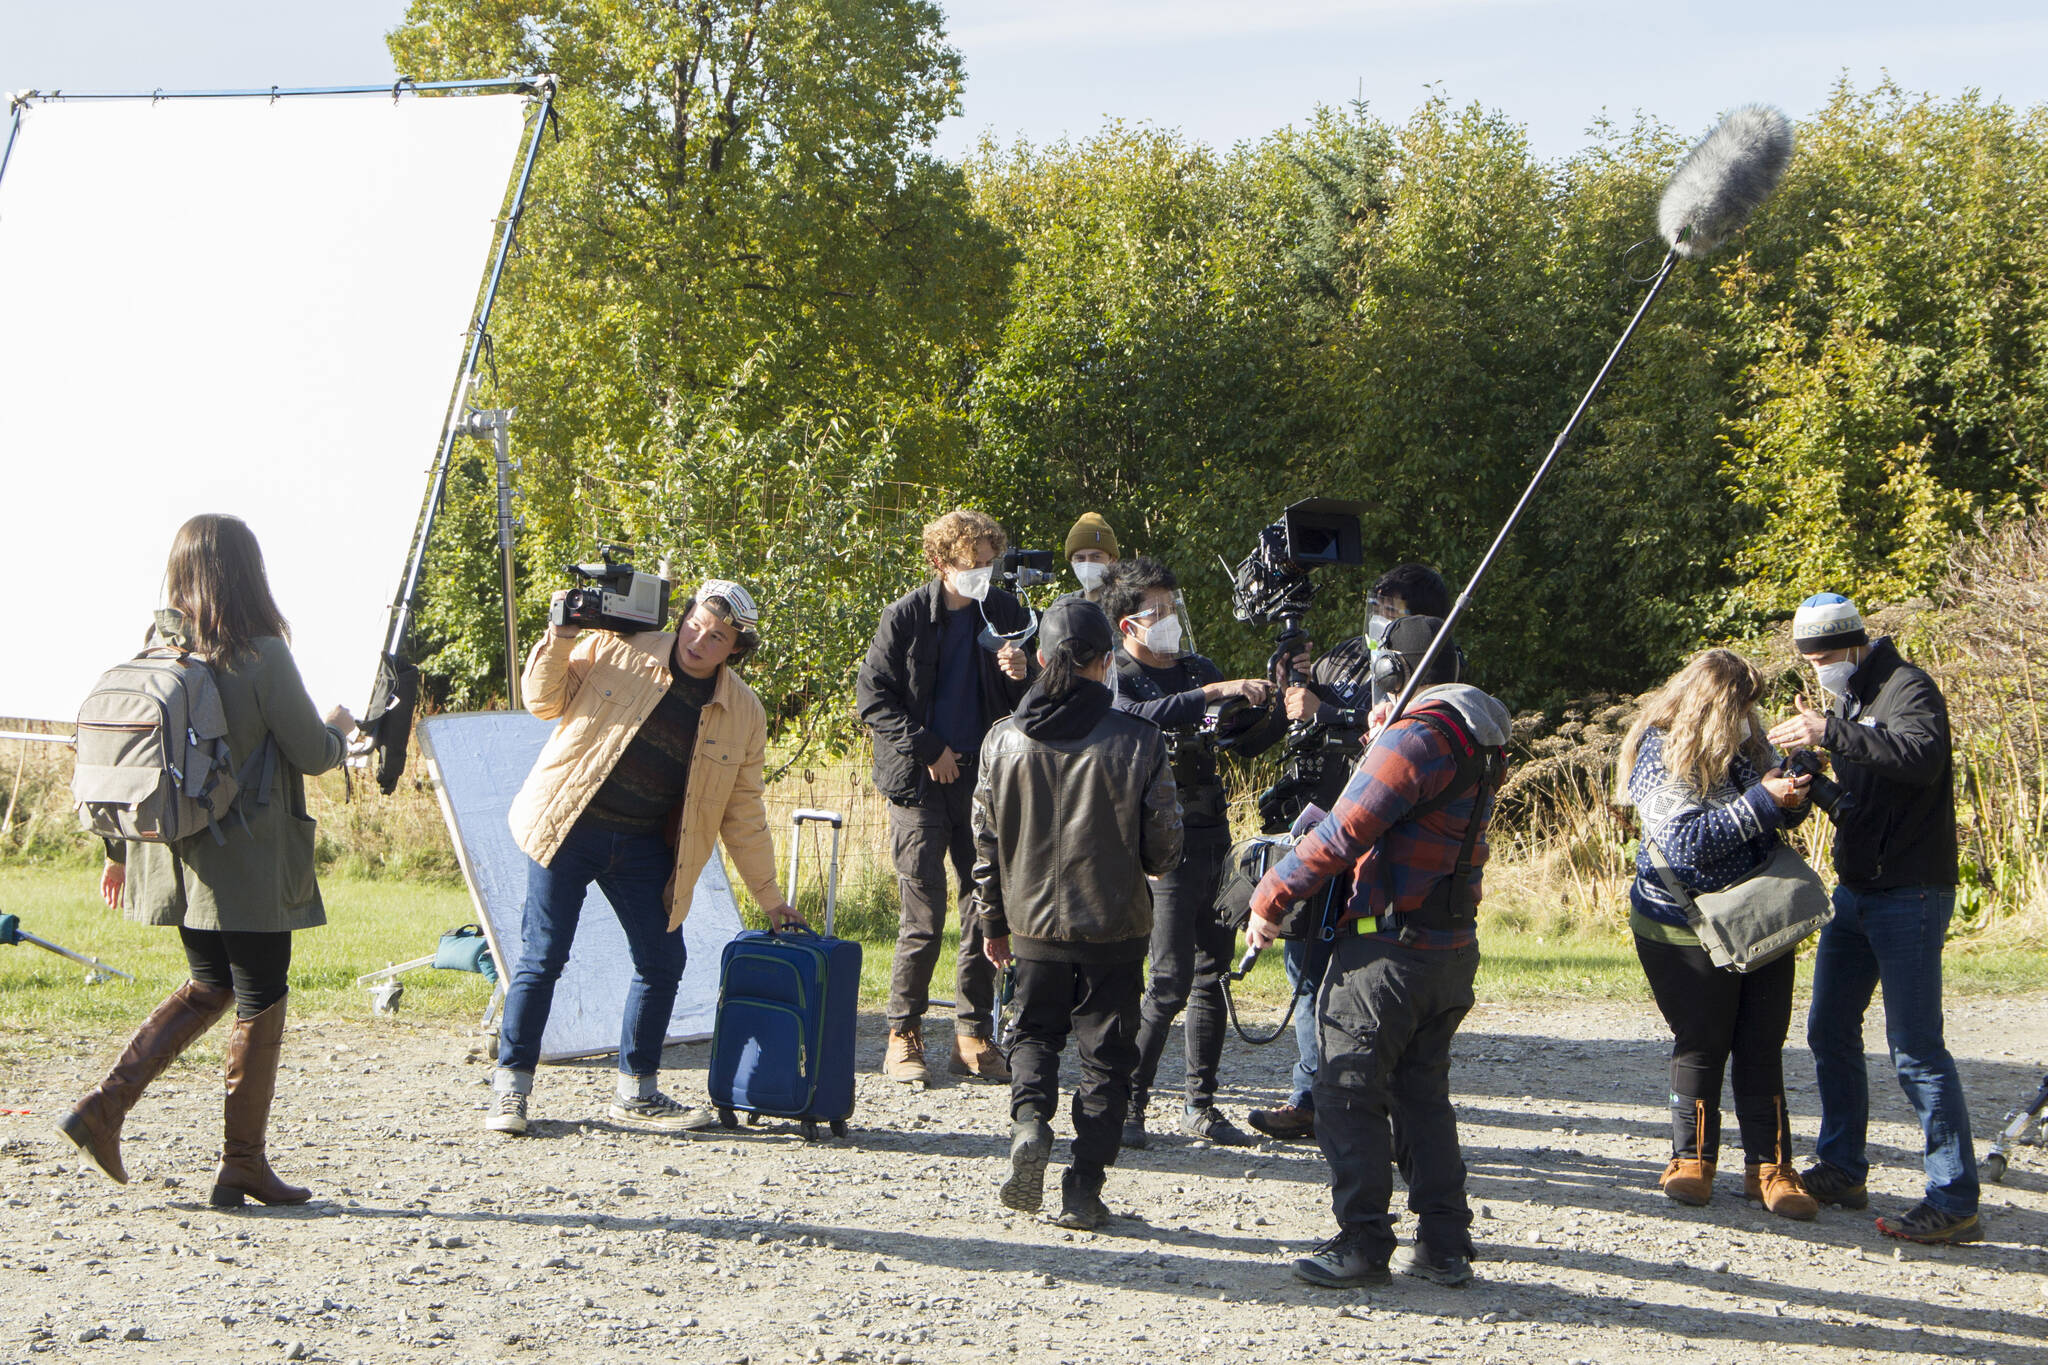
(374, 922)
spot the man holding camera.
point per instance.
(1075, 911)
(943, 667)
(1160, 680)
(1886, 731)
(1410, 830)
(1339, 698)
(656, 756)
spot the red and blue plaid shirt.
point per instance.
(1369, 835)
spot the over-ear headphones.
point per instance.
(1390, 669)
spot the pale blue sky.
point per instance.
(1222, 70)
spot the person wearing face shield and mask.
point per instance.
(1886, 731)
(929, 689)
(1339, 696)
(1092, 554)
(1159, 679)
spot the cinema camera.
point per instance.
(615, 596)
(1275, 584)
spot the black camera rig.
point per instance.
(1837, 802)
(1274, 584)
(617, 597)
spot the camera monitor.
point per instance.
(1323, 531)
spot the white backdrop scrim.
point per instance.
(236, 306)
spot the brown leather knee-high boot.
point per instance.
(94, 1123)
(253, 1046)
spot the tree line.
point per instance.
(756, 325)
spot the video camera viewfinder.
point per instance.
(1319, 531)
(617, 597)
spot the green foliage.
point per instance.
(732, 230)
(755, 326)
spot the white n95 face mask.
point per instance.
(1835, 677)
(1163, 637)
(1090, 574)
(974, 583)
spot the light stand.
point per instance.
(496, 424)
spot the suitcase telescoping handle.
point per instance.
(798, 819)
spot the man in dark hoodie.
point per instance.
(1410, 829)
(1073, 809)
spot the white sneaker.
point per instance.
(508, 1113)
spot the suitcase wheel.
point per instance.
(810, 1130)
(839, 1128)
(727, 1119)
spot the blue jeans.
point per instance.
(1307, 1052)
(631, 870)
(1894, 938)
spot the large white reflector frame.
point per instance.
(253, 306)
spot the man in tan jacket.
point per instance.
(656, 756)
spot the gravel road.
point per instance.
(431, 1240)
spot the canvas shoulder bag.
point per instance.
(1760, 918)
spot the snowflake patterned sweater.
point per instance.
(1711, 842)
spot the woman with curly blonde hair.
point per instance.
(1714, 802)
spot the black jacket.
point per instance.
(897, 680)
(1889, 740)
(1192, 748)
(1073, 808)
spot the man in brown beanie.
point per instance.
(1092, 551)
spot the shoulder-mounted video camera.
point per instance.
(612, 596)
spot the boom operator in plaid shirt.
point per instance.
(1412, 818)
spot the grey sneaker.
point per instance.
(1343, 1262)
(1208, 1124)
(1926, 1223)
(508, 1113)
(1434, 1266)
(655, 1113)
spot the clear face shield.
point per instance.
(1164, 628)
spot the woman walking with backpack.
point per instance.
(236, 896)
(1714, 803)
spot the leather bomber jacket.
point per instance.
(1066, 831)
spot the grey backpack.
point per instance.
(152, 747)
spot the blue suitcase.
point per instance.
(787, 1008)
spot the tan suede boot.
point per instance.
(904, 1061)
(253, 1047)
(94, 1123)
(1689, 1180)
(978, 1058)
(1778, 1188)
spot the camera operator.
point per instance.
(929, 689)
(1339, 696)
(1092, 551)
(1158, 680)
(1075, 912)
(1886, 730)
(656, 755)
(1410, 828)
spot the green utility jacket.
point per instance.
(261, 880)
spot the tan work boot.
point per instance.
(904, 1061)
(1688, 1181)
(977, 1057)
(1778, 1188)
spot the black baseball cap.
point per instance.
(1079, 620)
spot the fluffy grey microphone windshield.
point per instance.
(1725, 179)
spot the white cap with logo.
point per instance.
(745, 614)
